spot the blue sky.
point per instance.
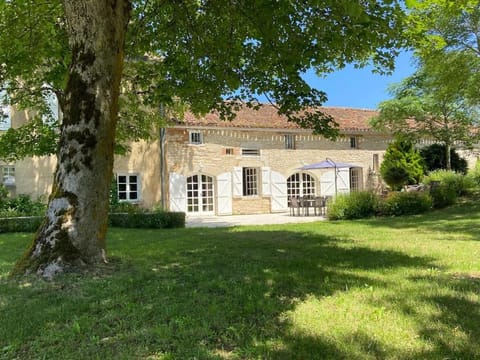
(359, 88)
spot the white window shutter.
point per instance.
(237, 181)
(224, 194)
(279, 192)
(343, 180)
(266, 187)
(178, 192)
(327, 183)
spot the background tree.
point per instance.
(433, 103)
(443, 25)
(200, 52)
(434, 159)
(402, 164)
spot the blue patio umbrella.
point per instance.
(329, 164)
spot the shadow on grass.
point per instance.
(451, 330)
(458, 219)
(196, 293)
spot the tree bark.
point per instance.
(448, 157)
(74, 230)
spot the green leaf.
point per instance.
(411, 4)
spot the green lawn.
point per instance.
(404, 288)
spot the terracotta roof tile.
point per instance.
(267, 118)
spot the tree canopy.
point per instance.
(440, 27)
(201, 53)
(440, 100)
(113, 63)
(435, 159)
(432, 102)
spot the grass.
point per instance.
(399, 288)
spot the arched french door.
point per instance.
(300, 184)
(200, 194)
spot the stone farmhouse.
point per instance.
(252, 165)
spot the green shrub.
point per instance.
(20, 224)
(402, 164)
(443, 195)
(460, 183)
(475, 174)
(157, 220)
(356, 205)
(405, 203)
(3, 195)
(22, 205)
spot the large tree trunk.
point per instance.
(75, 226)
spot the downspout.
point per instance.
(162, 168)
(162, 159)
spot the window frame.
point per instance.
(200, 194)
(250, 152)
(354, 142)
(128, 187)
(289, 141)
(250, 181)
(301, 184)
(355, 179)
(375, 163)
(8, 175)
(192, 134)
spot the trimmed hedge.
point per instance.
(20, 224)
(157, 220)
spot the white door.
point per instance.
(224, 194)
(279, 192)
(200, 194)
(178, 192)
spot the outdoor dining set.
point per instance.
(303, 205)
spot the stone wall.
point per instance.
(211, 157)
(251, 205)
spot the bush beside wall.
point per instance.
(157, 220)
(355, 205)
(443, 196)
(366, 204)
(160, 220)
(20, 224)
(458, 182)
(405, 203)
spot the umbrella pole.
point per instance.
(335, 180)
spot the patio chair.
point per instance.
(294, 204)
(320, 205)
(306, 202)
